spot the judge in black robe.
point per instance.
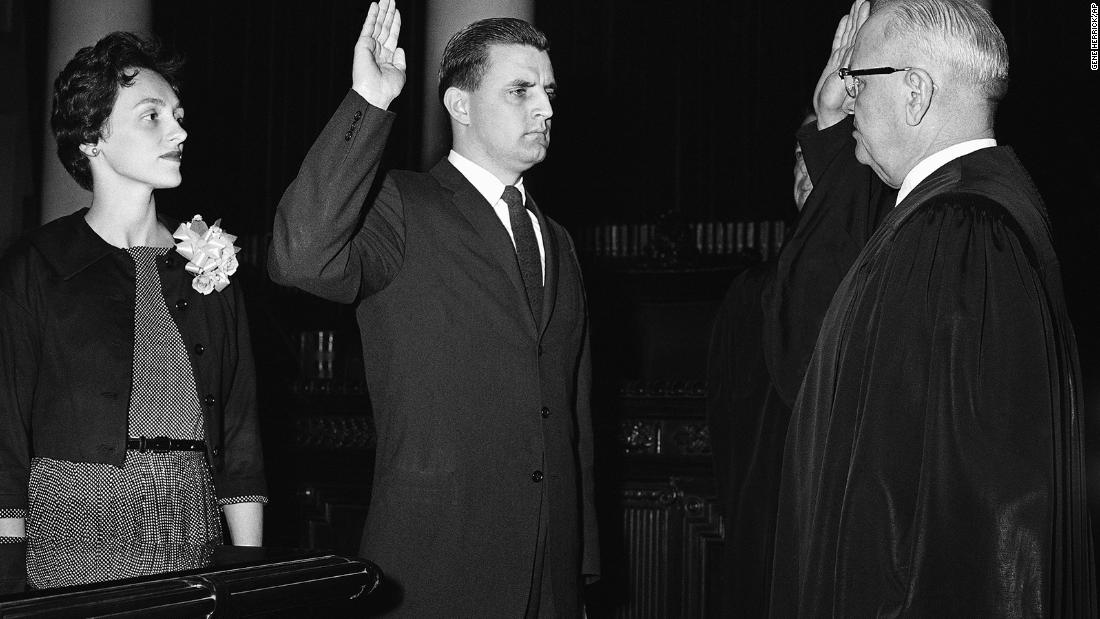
(934, 458)
(933, 463)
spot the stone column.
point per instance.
(15, 167)
(443, 18)
(74, 24)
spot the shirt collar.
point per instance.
(937, 160)
(482, 180)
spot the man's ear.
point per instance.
(919, 98)
(457, 102)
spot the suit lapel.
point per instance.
(480, 215)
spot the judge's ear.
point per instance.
(918, 99)
(457, 102)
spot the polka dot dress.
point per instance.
(93, 522)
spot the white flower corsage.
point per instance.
(210, 253)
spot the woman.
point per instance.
(127, 387)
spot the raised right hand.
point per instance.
(378, 69)
(830, 97)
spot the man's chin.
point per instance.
(862, 155)
(536, 155)
(865, 158)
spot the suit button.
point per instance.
(168, 261)
(215, 452)
(199, 349)
(545, 412)
(181, 304)
(208, 400)
(358, 115)
(536, 476)
(347, 136)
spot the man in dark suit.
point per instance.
(474, 326)
(933, 463)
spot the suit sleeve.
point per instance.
(842, 212)
(590, 558)
(322, 241)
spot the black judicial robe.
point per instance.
(761, 341)
(482, 494)
(748, 423)
(933, 464)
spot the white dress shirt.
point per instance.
(491, 187)
(937, 160)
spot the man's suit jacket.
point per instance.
(484, 431)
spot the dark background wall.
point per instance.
(664, 104)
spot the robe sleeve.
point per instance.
(842, 212)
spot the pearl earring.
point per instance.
(95, 151)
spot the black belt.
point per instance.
(163, 444)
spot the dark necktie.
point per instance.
(527, 249)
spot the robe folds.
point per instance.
(933, 464)
(762, 339)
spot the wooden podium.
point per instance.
(238, 582)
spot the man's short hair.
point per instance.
(466, 57)
(958, 34)
(85, 91)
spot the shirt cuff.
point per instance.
(249, 498)
(13, 513)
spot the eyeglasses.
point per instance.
(853, 84)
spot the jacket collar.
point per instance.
(70, 245)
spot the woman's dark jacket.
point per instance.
(66, 359)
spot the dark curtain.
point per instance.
(261, 80)
(1049, 117)
(670, 105)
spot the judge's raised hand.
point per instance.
(378, 70)
(830, 98)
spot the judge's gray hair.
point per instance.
(958, 34)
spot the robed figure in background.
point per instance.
(765, 331)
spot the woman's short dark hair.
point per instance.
(466, 57)
(85, 91)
